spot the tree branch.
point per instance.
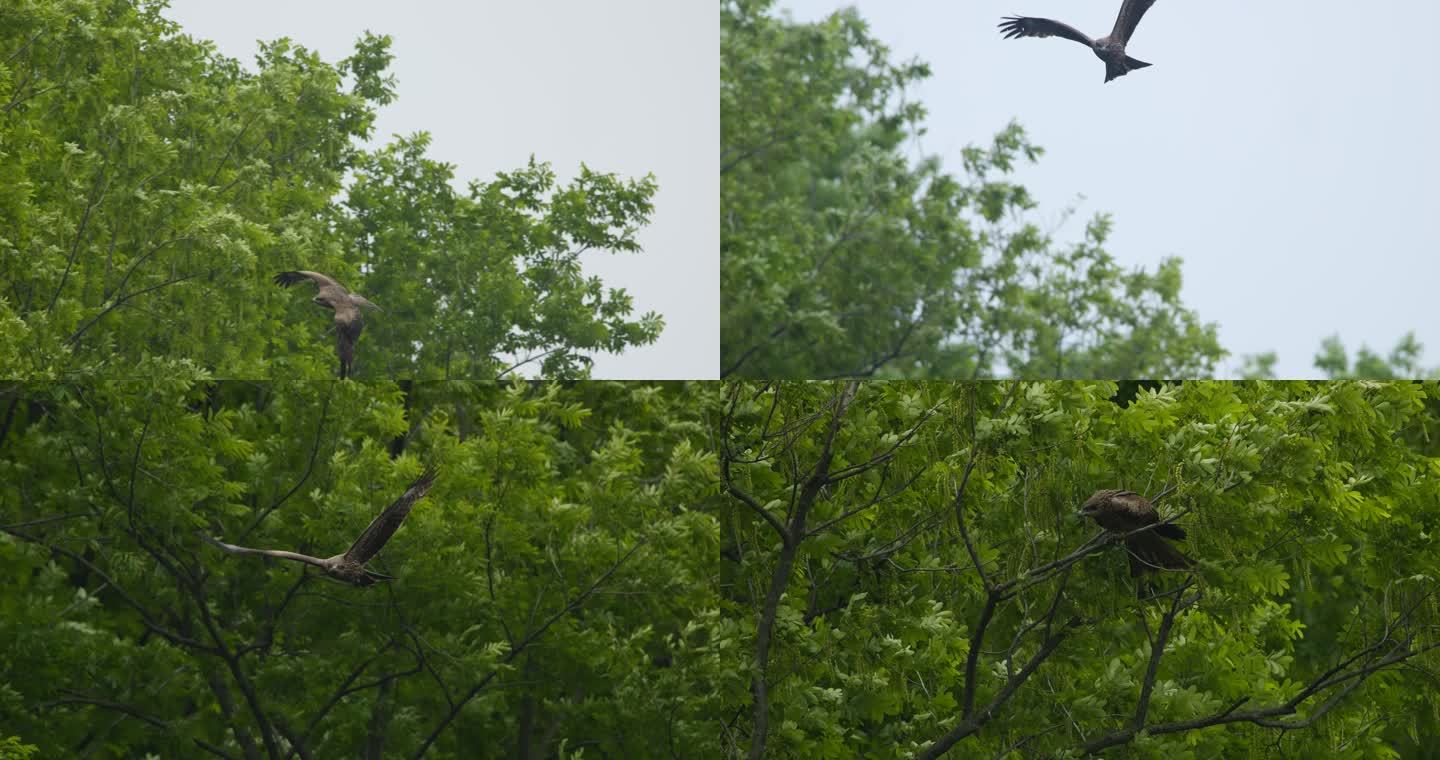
(792, 535)
(1268, 717)
(516, 651)
(309, 467)
(75, 336)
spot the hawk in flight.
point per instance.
(1110, 49)
(1127, 511)
(346, 305)
(350, 566)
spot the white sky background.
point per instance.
(1285, 149)
(626, 86)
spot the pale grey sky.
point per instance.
(626, 86)
(1284, 149)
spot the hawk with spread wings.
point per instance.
(350, 566)
(1127, 511)
(1110, 48)
(346, 305)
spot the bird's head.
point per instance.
(1093, 505)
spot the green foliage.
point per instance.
(842, 257)
(1403, 361)
(554, 593)
(149, 189)
(1259, 366)
(12, 749)
(870, 527)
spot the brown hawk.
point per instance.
(346, 305)
(1127, 511)
(350, 566)
(1110, 48)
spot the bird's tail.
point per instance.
(1113, 69)
(374, 576)
(1170, 530)
(345, 349)
(1150, 554)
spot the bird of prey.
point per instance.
(1127, 511)
(346, 305)
(1110, 48)
(350, 566)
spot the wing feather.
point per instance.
(277, 553)
(1171, 531)
(286, 279)
(1131, 11)
(360, 300)
(1015, 27)
(1150, 553)
(383, 527)
(1138, 507)
(1135, 506)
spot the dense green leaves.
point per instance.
(873, 526)
(840, 256)
(554, 592)
(149, 188)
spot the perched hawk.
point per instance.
(346, 305)
(1126, 511)
(350, 566)
(1110, 49)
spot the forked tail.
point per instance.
(1113, 69)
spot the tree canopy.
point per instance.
(842, 257)
(914, 578)
(150, 187)
(554, 592)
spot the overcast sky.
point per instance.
(627, 86)
(1285, 149)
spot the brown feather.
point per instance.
(350, 566)
(1131, 11)
(1150, 553)
(1110, 48)
(348, 318)
(383, 527)
(347, 332)
(1121, 511)
(1016, 27)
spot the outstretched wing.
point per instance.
(286, 279)
(360, 300)
(1015, 27)
(233, 549)
(383, 527)
(1131, 11)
